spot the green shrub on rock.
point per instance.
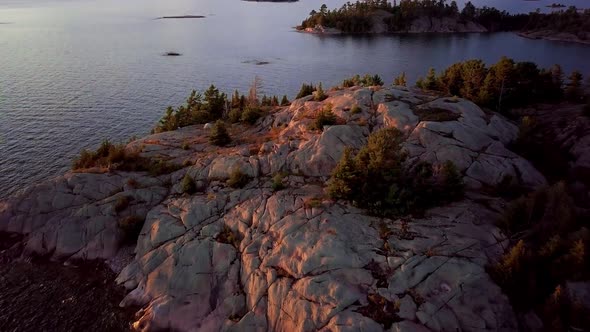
(325, 118)
(237, 179)
(378, 179)
(251, 115)
(188, 185)
(306, 90)
(219, 134)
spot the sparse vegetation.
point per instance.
(436, 114)
(219, 134)
(502, 86)
(228, 236)
(277, 182)
(122, 203)
(319, 94)
(313, 203)
(366, 81)
(187, 185)
(325, 118)
(378, 179)
(237, 179)
(306, 90)
(551, 247)
(400, 80)
(356, 109)
(251, 115)
(113, 157)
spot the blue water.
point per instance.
(75, 72)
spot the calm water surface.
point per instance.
(73, 73)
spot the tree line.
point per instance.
(213, 105)
(505, 84)
(357, 17)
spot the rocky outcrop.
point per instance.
(582, 37)
(292, 260)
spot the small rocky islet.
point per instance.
(260, 259)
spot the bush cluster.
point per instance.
(367, 80)
(551, 246)
(377, 178)
(325, 118)
(503, 85)
(116, 157)
(238, 179)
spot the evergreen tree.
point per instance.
(274, 101)
(215, 102)
(319, 93)
(219, 134)
(285, 101)
(400, 80)
(574, 87)
(430, 81)
(306, 90)
(235, 100)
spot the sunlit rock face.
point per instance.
(255, 259)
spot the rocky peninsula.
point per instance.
(276, 253)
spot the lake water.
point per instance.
(75, 72)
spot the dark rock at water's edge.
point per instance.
(72, 298)
(179, 17)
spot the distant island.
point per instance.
(181, 16)
(271, 0)
(375, 16)
(556, 5)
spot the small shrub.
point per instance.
(237, 179)
(251, 115)
(285, 101)
(319, 94)
(277, 182)
(400, 80)
(380, 310)
(378, 179)
(306, 90)
(132, 183)
(219, 134)
(185, 146)
(235, 115)
(325, 118)
(122, 203)
(131, 227)
(436, 114)
(160, 167)
(312, 203)
(356, 109)
(106, 155)
(188, 185)
(228, 236)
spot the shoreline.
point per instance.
(552, 36)
(535, 35)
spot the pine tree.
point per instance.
(574, 87)
(235, 100)
(274, 101)
(400, 80)
(319, 94)
(285, 101)
(219, 134)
